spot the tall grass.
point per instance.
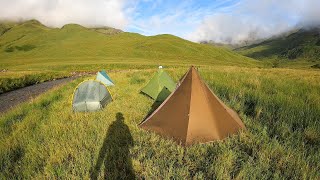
(14, 80)
(280, 108)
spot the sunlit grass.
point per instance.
(11, 80)
(280, 108)
(76, 45)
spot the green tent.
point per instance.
(90, 95)
(104, 78)
(160, 86)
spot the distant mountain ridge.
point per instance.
(33, 42)
(7, 25)
(302, 44)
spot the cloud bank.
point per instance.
(56, 13)
(251, 20)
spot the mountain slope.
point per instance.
(32, 42)
(303, 44)
(107, 30)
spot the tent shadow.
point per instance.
(154, 106)
(114, 153)
(162, 95)
(142, 93)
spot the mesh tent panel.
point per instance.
(90, 95)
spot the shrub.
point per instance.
(9, 84)
(27, 47)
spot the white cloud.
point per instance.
(224, 21)
(309, 12)
(251, 20)
(56, 13)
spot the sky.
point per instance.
(221, 21)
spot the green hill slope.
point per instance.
(33, 43)
(300, 46)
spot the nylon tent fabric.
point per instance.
(193, 114)
(104, 78)
(90, 96)
(160, 86)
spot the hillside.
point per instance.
(33, 43)
(302, 45)
(6, 26)
(107, 30)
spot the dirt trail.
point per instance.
(13, 98)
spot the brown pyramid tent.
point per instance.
(192, 113)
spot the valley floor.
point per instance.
(280, 108)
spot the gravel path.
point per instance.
(13, 98)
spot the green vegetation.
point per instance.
(44, 139)
(5, 26)
(302, 46)
(317, 66)
(108, 30)
(14, 80)
(62, 48)
(280, 108)
(26, 47)
(30, 46)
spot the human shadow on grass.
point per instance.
(115, 153)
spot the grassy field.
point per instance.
(32, 47)
(44, 139)
(11, 80)
(280, 108)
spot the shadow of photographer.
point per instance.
(115, 153)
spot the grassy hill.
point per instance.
(107, 30)
(31, 46)
(35, 44)
(302, 46)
